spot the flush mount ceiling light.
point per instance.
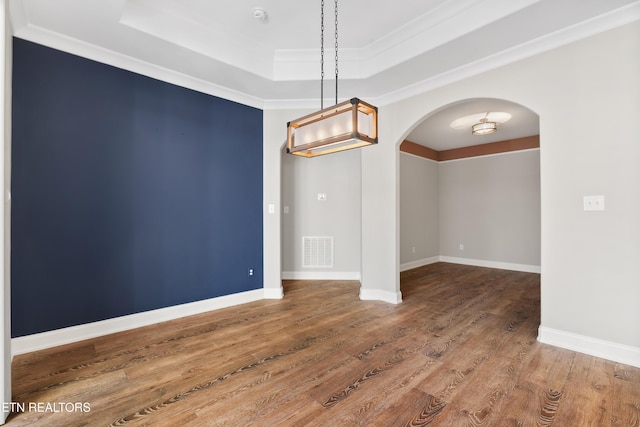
(481, 123)
(350, 124)
(484, 127)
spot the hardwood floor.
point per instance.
(460, 350)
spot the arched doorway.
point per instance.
(471, 199)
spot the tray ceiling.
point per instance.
(388, 50)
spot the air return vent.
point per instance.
(317, 251)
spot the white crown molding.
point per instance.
(77, 47)
(622, 16)
(292, 104)
(588, 28)
(596, 25)
(149, 17)
(616, 352)
(455, 19)
(442, 24)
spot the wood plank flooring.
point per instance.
(460, 350)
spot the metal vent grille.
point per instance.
(317, 251)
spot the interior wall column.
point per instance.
(380, 255)
(5, 173)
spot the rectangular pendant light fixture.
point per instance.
(350, 124)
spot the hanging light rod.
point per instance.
(347, 125)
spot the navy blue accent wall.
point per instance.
(128, 194)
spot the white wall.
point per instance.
(275, 135)
(380, 212)
(419, 235)
(590, 268)
(491, 206)
(591, 273)
(589, 260)
(338, 177)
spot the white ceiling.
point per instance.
(388, 50)
(435, 131)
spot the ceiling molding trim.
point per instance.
(492, 148)
(441, 24)
(23, 29)
(90, 51)
(507, 146)
(416, 149)
(426, 33)
(292, 104)
(149, 18)
(304, 64)
(438, 26)
(588, 28)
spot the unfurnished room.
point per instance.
(322, 213)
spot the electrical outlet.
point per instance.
(251, 272)
(461, 246)
(593, 203)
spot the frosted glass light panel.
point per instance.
(350, 124)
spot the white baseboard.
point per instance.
(492, 264)
(380, 295)
(355, 275)
(72, 334)
(365, 294)
(320, 275)
(274, 293)
(418, 263)
(620, 353)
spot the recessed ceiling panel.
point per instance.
(286, 44)
(388, 50)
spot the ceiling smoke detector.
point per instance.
(259, 14)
